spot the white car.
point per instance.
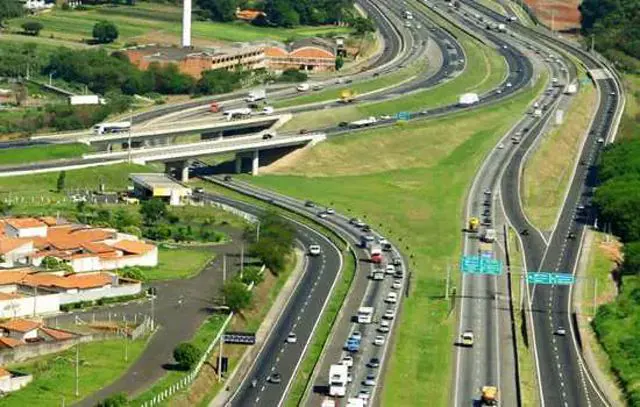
(392, 298)
(330, 211)
(314, 250)
(268, 110)
(364, 395)
(356, 335)
(389, 314)
(349, 378)
(390, 269)
(509, 84)
(370, 380)
(600, 140)
(323, 215)
(292, 338)
(379, 340)
(500, 146)
(397, 285)
(384, 326)
(347, 361)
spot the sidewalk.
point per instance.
(251, 354)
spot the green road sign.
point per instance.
(550, 278)
(480, 265)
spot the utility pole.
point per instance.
(595, 295)
(126, 342)
(130, 125)
(153, 319)
(77, 369)
(593, 40)
(220, 358)
(241, 259)
(446, 292)
(258, 232)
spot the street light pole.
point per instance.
(77, 370)
(258, 232)
(126, 342)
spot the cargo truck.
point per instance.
(338, 375)
(489, 236)
(347, 96)
(237, 113)
(502, 28)
(468, 99)
(114, 127)
(473, 224)
(571, 89)
(365, 315)
(256, 95)
(489, 396)
(214, 107)
(364, 122)
(84, 100)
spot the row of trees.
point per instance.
(618, 202)
(616, 27)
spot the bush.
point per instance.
(116, 400)
(32, 27)
(105, 32)
(186, 355)
(252, 275)
(292, 75)
(236, 295)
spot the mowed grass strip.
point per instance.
(31, 154)
(416, 199)
(548, 170)
(101, 363)
(180, 262)
(485, 70)
(158, 22)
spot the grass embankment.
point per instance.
(296, 393)
(521, 13)
(630, 123)
(53, 384)
(359, 88)
(485, 69)
(526, 363)
(156, 23)
(548, 170)
(25, 155)
(413, 187)
(493, 5)
(604, 256)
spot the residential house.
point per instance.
(12, 381)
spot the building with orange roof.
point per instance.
(28, 241)
(309, 54)
(248, 14)
(20, 329)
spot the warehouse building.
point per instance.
(158, 185)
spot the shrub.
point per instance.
(186, 355)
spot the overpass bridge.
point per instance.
(208, 128)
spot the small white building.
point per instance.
(25, 227)
(12, 381)
(36, 5)
(15, 251)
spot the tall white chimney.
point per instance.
(186, 24)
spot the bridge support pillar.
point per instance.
(255, 162)
(179, 168)
(238, 163)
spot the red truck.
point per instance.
(376, 254)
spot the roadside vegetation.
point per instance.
(100, 363)
(616, 323)
(548, 170)
(32, 154)
(425, 176)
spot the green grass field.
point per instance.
(485, 70)
(180, 262)
(360, 87)
(410, 182)
(53, 384)
(155, 23)
(41, 153)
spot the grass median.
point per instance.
(548, 170)
(410, 181)
(31, 154)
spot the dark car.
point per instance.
(366, 228)
(571, 235)
(198, 190)
(267, 136)
(374, 363)
(343, 124)
(524, 232)
(303, 131)
(376, 74)
(227, 178)
(275, 378)
(309, 204)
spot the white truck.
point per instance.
(338, 376)
(489, 236)
(571, 89)
(468, 99)
(114, 127)
(237, 113)
(256, 95)
(537, 112)
(502, 28)
(365, 315)
(356, 402)
(84, 100)
(364, 122)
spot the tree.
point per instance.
(60, 184)
(135, 273)
(236, 295)
(631, 263)
(187, 355)
(219, 81)
(10, 9)
(32, 27)
(363, 25)
(50, 263)
(105, 32)
(252, 275)
(219, 10)
(153, 210)
(116, 400)
(339, 62)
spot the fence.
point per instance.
(188, 379)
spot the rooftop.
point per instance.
(157, 181)
(20, 325)
(169, 53)
(25, 223)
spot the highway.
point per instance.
(563, 378)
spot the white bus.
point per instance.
(365, 315)
(115, 127)
(338, 376)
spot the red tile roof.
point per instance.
(24, 223)
(9, 244)
(98, 247)
(7, 342)
(4, 372)
(57, 334)
(133, 247)
(80, 281)
(20, 325)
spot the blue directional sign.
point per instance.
(480, 265)
(550, 278)
(403, 116)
